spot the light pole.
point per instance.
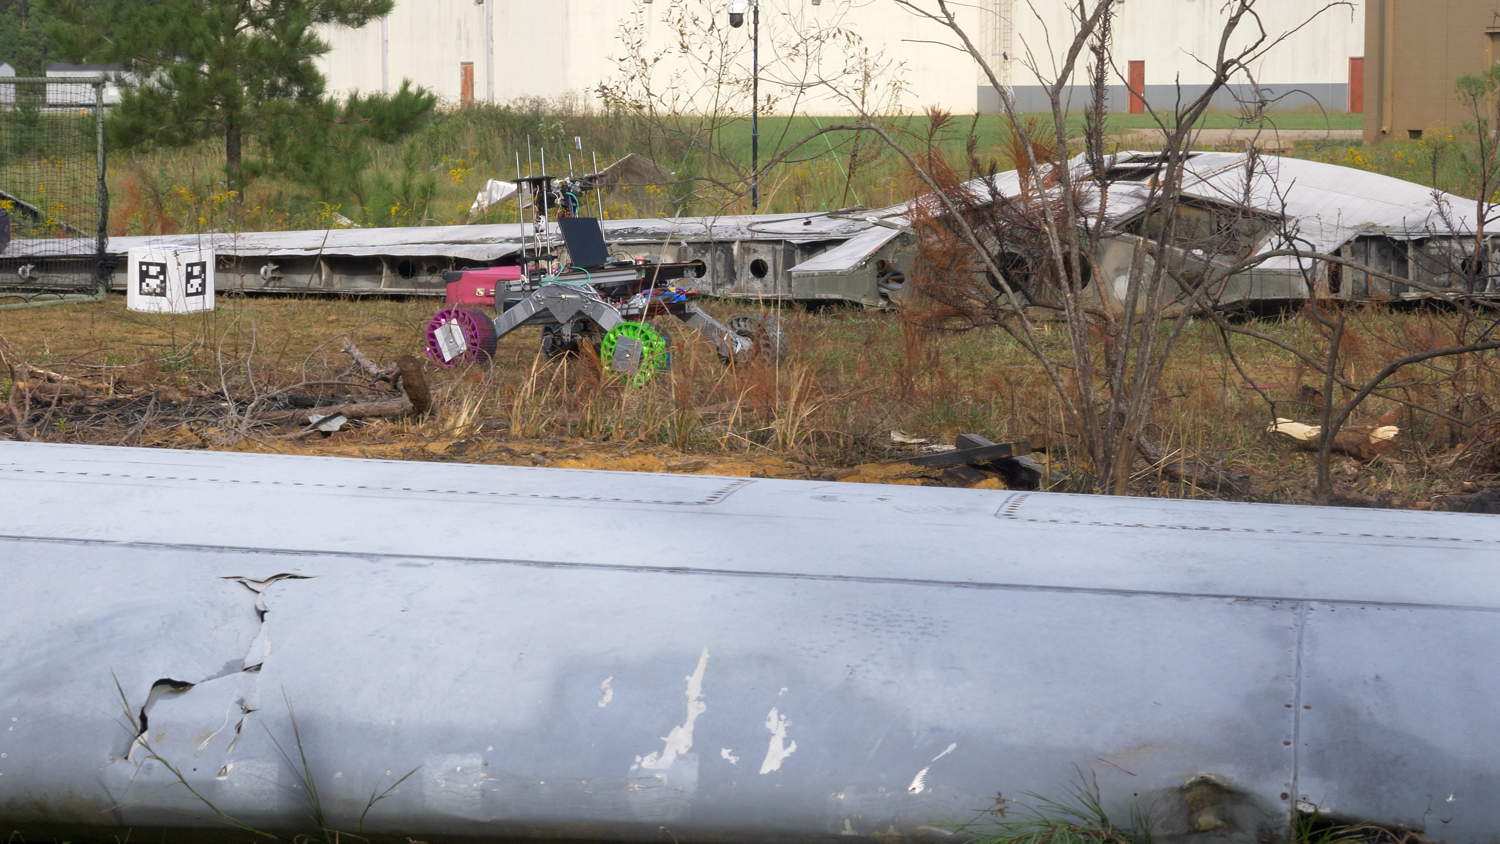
(737, 19)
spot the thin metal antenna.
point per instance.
(535, 204)
(543, 203)
(536, 201)
(520, 200)
(570, 173)
(521, 207)
(598, 184)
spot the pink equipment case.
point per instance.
(477, 287)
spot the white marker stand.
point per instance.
(170, 280)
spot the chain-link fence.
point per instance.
(53, 201)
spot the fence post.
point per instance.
(102, 245)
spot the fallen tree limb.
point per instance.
(56, 389)
(46, 374)
(379, 408)
(1199, 475)
(1365, 442)
(16, 414)
(61, 383)
(379, 373)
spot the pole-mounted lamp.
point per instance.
(737, 9)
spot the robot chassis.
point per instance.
(569, 311)
(590, 297)
(609, 305)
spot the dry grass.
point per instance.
(182, 190)
(854, 376)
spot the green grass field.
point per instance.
(445, 163)
(993, 130)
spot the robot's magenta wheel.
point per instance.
(460, 335)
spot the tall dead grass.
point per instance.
(853, 377)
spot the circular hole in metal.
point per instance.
(699, 270)
(406, 269)
(759, 268)
(888, 276)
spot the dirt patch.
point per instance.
(884, 473)
(561, 454)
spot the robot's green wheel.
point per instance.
(636, 350)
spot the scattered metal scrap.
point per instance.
(1395, 227)
(972, 454)
(1483, 500)
(1246, 208)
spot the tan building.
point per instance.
(1415, 51)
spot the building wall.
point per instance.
(569, 47)
(1417, 51)
(1175, 38)
(423, 40)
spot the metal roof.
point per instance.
(64, 67)
(1331, 204)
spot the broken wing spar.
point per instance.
(505, 651)
(750, 257)
(1399, 228)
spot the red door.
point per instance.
(1137, 83)
(466, 83)
(1357, 85)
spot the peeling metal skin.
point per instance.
(557, 653)
(743, 256)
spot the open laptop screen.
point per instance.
(585, 239)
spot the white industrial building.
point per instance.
(69, 95)
(503, 50)
(64, 94)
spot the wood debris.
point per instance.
(39, 402)
(1365, 442)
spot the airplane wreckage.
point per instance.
(1418, 241)
(208, 642)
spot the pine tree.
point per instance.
(206, 68)
(25, 42)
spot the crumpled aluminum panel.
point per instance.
(561, 653)
(1327, 206)
(493, 241)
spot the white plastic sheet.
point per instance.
(494, 193)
